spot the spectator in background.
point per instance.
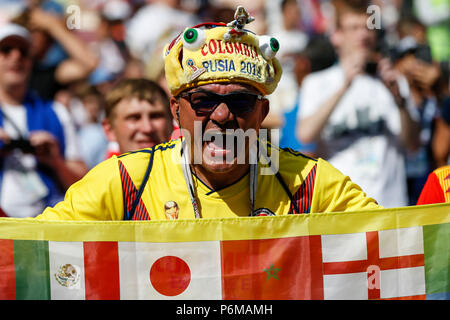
(313, 16)
(93, 142)
(318, 55)
(441, 138)
(39, 155)
(59, 56)
(415, 63)
(410, 26)
(109, 46)
(357, 113)
(292, 41)
(137, 115)
(158, 19)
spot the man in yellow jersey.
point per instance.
(219, 87)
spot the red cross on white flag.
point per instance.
(373, 265)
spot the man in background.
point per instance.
(39, 156)
(318, 55)
(137, 115)
(356, 112)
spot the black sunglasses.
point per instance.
(6, 50)
(206, 102)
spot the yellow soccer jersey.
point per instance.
(314, 186)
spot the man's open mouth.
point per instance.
(219, 144)
(227, 146)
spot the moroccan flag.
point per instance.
(275, 269)
(386, 254)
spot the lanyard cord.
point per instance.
(190, 184)
(253, 177)
(14, 125)
(188, 177)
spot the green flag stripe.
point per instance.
(437, 250)
(31, 270)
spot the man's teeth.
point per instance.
(212, 146)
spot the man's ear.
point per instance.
(265, 108)
(175, 109)
(108, 129)
(336, 38)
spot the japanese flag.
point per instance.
(189, 270)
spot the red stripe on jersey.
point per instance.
(129, 194)
(304, 194)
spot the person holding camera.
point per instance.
(414, 61)
(38, 148)
(356, 112)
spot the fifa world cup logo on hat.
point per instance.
(196, 72)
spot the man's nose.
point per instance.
(15, 53)
(222, 114)
(146, 125)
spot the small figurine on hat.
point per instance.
(241, 17)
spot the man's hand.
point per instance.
(425, 75)
(81, 61)
(410, 128)
(390, 78)
(5, 138)
(353, 66)
(47, 152)
(47, 149)
(39, 19)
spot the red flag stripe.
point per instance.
(416, 260)
(418, 297)
(330, 268)
(7, 273)
(101, 264)
(316, 269)
(373, 259)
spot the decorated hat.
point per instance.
(222, 53)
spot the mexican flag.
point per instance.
(386, 254)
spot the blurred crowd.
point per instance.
(342, 81)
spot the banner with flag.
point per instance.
(398, 253)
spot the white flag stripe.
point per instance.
(128, 276)
(350, 286)
(344, 247)
(203, 259)
(401, 242)
(402, 282)
(66, 270)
